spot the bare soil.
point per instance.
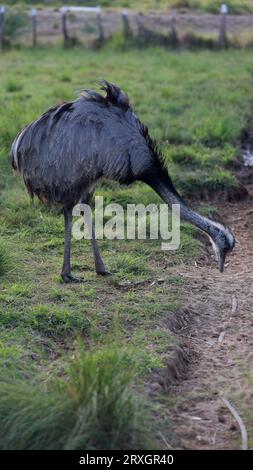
(219, 344)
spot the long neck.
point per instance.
(164, 187)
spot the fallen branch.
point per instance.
(240, 422)
(234, 305)
(166, 442)
(127, 284)
(221, 337)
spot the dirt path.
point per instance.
(220, 342)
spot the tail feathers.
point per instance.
(115, 95)
(14, 156)
(14, 151)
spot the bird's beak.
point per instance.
(219, 254)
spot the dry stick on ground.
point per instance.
(221, 337)
(240, 422)
(234, 305)
(166, 442)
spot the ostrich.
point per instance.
(62, 155)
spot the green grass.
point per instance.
(196, 105)
(93, 406)
(6, 258)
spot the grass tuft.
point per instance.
(56, 322)
(6, 258)
(93, 407)
(12, 86)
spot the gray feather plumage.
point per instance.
(66, 150)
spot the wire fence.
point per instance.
(94, 25)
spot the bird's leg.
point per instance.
(66, 268)
(99, 263)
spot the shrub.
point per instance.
(15, 20)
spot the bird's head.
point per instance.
(223, 241)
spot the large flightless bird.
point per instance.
(64, 153)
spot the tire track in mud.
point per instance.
(220, 341)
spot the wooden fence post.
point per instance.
(173, 33)
(126, 25)
(101, 36)
(64, 26)
(2, 18)
(223, 40)
(34, 27)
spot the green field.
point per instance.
(77, 360)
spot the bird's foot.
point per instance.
(104, 273)
(68, 279)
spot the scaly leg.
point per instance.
(99, 264)
(66, 268)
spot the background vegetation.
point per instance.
(210, 6)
